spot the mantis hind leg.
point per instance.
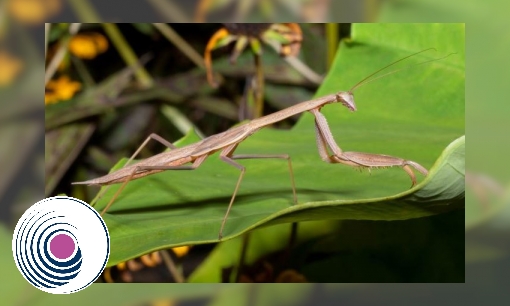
(226, 156)
(193, 166)
(153, 136)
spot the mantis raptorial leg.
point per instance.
(228, 141)
(357, 159)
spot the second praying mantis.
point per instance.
(190, 157)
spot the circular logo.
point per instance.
(61, 245)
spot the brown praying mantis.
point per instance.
(190, 157)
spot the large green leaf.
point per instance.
(413, 114)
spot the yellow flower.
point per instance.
(151, 260)
(50, 98)
(33, 11)
(181, 251)
(88, 45)
(11, 67)
(162, 302)
(61, 89)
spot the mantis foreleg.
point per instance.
(357, 159)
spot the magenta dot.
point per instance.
(62, 246)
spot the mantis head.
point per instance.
(347, 100)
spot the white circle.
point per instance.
(40, 224)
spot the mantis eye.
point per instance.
(347, 99)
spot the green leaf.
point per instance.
(13, 284)
(413, 114)
(262, 242)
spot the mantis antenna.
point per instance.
(369, 80)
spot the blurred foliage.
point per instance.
(11, 67)
(33, 12)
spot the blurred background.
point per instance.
(22, 63)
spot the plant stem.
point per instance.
(180, 43)
(85, 11)
(332, 30)
(172, 268)
(259, 88)
(61, 52)
(244, 248)
(127, 53)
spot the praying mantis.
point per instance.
(190, 157)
